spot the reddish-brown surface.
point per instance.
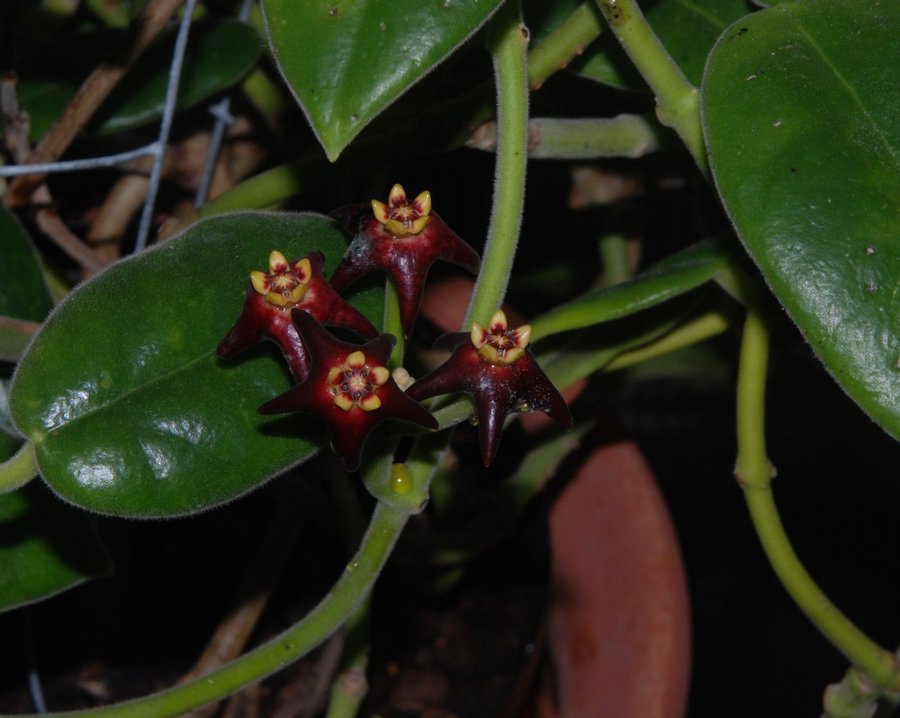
(619, 623)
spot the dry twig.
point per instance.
(91, 94)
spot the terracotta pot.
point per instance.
(619, 624)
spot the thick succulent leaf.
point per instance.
(46, 547)
(669, 278)
(218, 55)
(687, 29)
(802, 119)
(23, 294)
(122, 395)
(347, 61)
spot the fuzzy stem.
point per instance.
(566, 42)
(615, 260)
(553, 138)
(693, 332)
(677, 100)
(386, 524)
(350, 685)
(19, 469)
(754, 474)
(508, 44)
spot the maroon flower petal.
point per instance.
(348, 388)
(496, 389)
(406, 257)
(260, 319)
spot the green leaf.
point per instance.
(45, 547)
(687, 28)
(347, 61)
(23, 294)
(802, 120)
(669, 278)
(218, 55)
(122, 395)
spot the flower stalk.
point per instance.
(508, 45)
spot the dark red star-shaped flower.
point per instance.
(404, 239)
(272, 295)
(348, 387)
(497, 370)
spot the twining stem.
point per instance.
(564, 43)
(351, 686)
(508, 44)
(754, 473)
(387, 523)
(692, 332)
(19, 469)
(677, 100)
(552, 138)
(854, 697)
(615, 258)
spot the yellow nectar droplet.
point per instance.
(401, 480)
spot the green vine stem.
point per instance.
(754, 473)
(677, 100)
(671, 332)
(563, 44)
(350, 685)
(854, 697)
(551, 138)
(19, 469)
(615, 259)
(387, 522)
(691, 332)
(508, 43)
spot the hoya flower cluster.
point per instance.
(348, 386)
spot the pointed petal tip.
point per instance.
(381, 212)
(422, 203)
(277, 262)
(498, 323)
(303, 269)
(397, 195)
(523, 335)
(260, 282)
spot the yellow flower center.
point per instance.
(355, 383)
(284, 284)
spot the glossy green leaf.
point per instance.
(347, 61)
(802, 120)
(46, 547)
(218, 55)
(687, 28)
(123, 397)
(23, 294)
(669, 278)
